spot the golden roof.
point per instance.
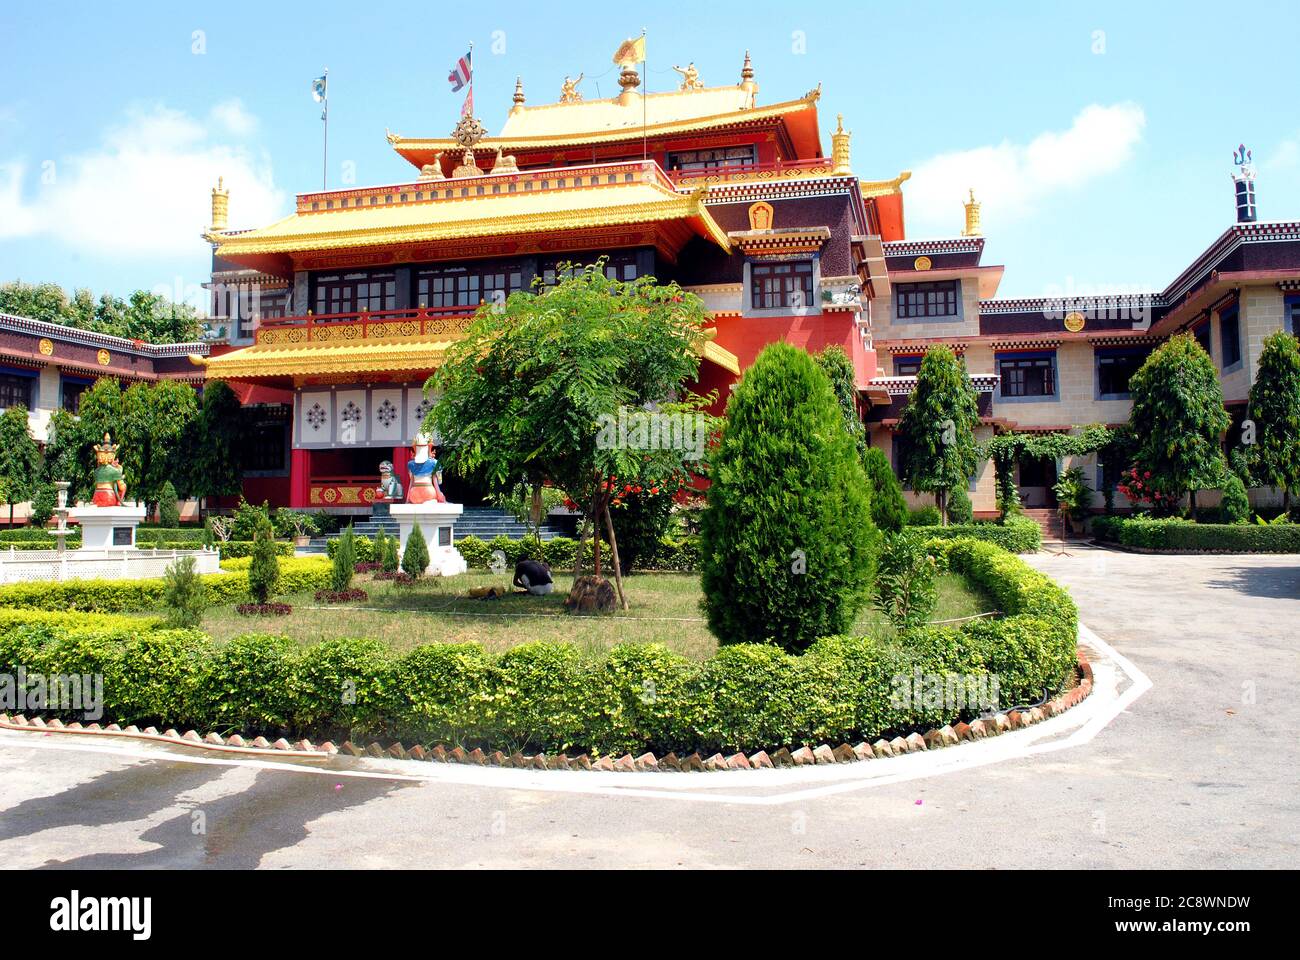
(882, 188)
(643, 200)
(620, 118)
(278, 354)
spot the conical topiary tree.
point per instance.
(415, 558)
(264, 569)
(787, 544)
(888, 508)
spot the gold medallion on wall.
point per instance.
(1074, 322)
(922, 263)
(46, 346)
(103, 357)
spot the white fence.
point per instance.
(17, 566)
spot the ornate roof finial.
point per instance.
(747, 71)
(840, 147)
(220, 205)
(1244, 183)
(569, 89)
(519, 91)
(972, 216)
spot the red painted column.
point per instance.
(401, 457)
(299, 477)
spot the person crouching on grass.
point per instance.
(534, 576)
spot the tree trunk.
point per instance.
(941, 501)
(536, 511)
(582, 539)
(11, 515)
(595, 534)
(1191, 501)
(613, 552)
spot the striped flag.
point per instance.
(460, 75)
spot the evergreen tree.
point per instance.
(264, 571)
(787, 544)
(937, 430)
(888, 507)
(185, 595)
(169, 508)
(1275, 413)
(20, 458)
(344, 563)
(415, 558)
(1235, 505)
(1178, 418)
(959, 506)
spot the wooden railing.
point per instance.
(772, 170)
(343, 327)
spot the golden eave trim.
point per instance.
(884, 188)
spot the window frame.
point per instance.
(1035, 357)
(1230, 317)
(13, 377)
(925, 291)
(803, 271)
(745, 155)
(1101, 354)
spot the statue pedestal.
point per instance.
(437, 522)
(107, 528)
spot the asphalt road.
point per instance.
(1200, 771)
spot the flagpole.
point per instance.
(325, 152)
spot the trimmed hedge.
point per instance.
(119, 596)
(547, 695)
(1017, 534)
(1146, 533)
(675, 554)
(238, 549)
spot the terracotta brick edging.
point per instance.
(948, 735)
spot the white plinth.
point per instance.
(107, 527)
(438, 524)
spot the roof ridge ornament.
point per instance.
(519, 95)
(972, 216)
(747, 79)
(690, 77)
(569, 89)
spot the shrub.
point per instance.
(264, 570)
(640, 521)
(926, 516)
(907, 581)
(1018, 534)
(415, 558)
(379, 547)
(343, 562)
(389, 561)
(184, 594)
(1235, 506)
(1146, 533)
(169, 508)
(248, 519)
(959, 506)
(888, 508)
(117, 596)
(231, 549)
(787, 545)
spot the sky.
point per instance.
(1098, 136)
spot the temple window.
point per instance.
(788, 284)
(1230, 338)
(1114, 369)
(712, 159)
(356, 293)
(937, 299)
(1293, 315)
(16, 388)
(1028, 375)
(70, 391)
(465, 286)
(907, 366)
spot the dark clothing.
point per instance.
(531, 573)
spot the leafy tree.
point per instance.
(185, 595)
(1178, 418)
(888, 507)
(344, 562)
(907, 581)
(142, 316)
(532, 391)
(214, 445)
(169, 508)
(1235, 505)
(68, 454)
(20, 457)
(415, 558)
(787, 545)
(156, 421)
(248, 519)
(264, 570)
(1275, 412)
(937, 428)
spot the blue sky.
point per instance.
(1099, 136)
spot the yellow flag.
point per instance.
(631, 51)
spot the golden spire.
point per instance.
(220, 205)
(840, 147)
(972, 216)
(629, 80)
(747, 79)
(519, 95)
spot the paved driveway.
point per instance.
(1200, 771)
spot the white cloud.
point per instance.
(1010, 179)
(146, 190)
(232, 115)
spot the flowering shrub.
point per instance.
(264, 609)
(371, 566)
(1136, 484)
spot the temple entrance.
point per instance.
(1035, 478)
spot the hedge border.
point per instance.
(935, 738)
(1177, 536)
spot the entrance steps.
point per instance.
(482, 522)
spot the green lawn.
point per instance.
(664, 608)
